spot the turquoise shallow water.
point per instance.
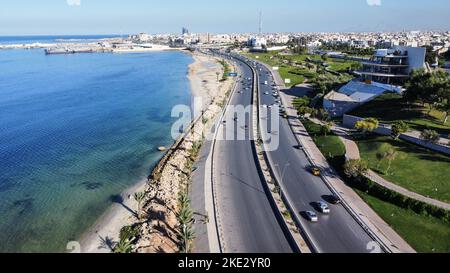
(76, 130)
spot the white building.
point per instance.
(257, 42)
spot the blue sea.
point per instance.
(76, 130)
(7, 40)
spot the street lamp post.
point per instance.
(284, 170)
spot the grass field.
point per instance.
(330, 146)
(424, 233)
(297, 67)
(414, 168)
(390, 108)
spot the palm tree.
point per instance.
(185, 216)
(123, 247)
(139, 197)
(187, 236)
(184, 200)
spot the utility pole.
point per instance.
(260, 23)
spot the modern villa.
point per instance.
(393, 66)
(386, 72)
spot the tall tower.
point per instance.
(260, 23)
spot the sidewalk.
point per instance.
(416, 134)
(352, 152)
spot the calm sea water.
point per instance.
(76, 130)
(51, 39)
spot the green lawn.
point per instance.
(414, 168)
(390, 108)
(298, 71)
(330, 146)
(424, 233)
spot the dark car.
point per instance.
(333, 199)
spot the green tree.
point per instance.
(139, 197)
(356, 168)
(123, 247)
(430, 136)
(443, 103)
(390, 155)
(431, 55)
(428, 88)
(323, 114)
(325, 129)
(186, 235)
(399, 128)
(367, 126)
(301, 102)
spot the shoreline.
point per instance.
(104, 233)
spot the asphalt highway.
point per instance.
(247, 218)
(337, 232)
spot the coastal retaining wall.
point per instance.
(350, 121)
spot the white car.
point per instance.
(323, 207)
(312, 216)
(267, 93)
(264, 106)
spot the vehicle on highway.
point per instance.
(315, 171)
(323, 207)
(265, 83)
(312, 216)
(333, 199)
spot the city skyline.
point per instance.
(84, 17)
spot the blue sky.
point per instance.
(23, 17)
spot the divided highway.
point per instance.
(248, 222)
(247, 218)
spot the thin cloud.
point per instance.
(73, 2)
(374, 2)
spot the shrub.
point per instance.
(356, 168)
(430, 136)
(399, 128)
(387, 195)
(367, 126)
(130, 232)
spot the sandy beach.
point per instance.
(104, 234)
